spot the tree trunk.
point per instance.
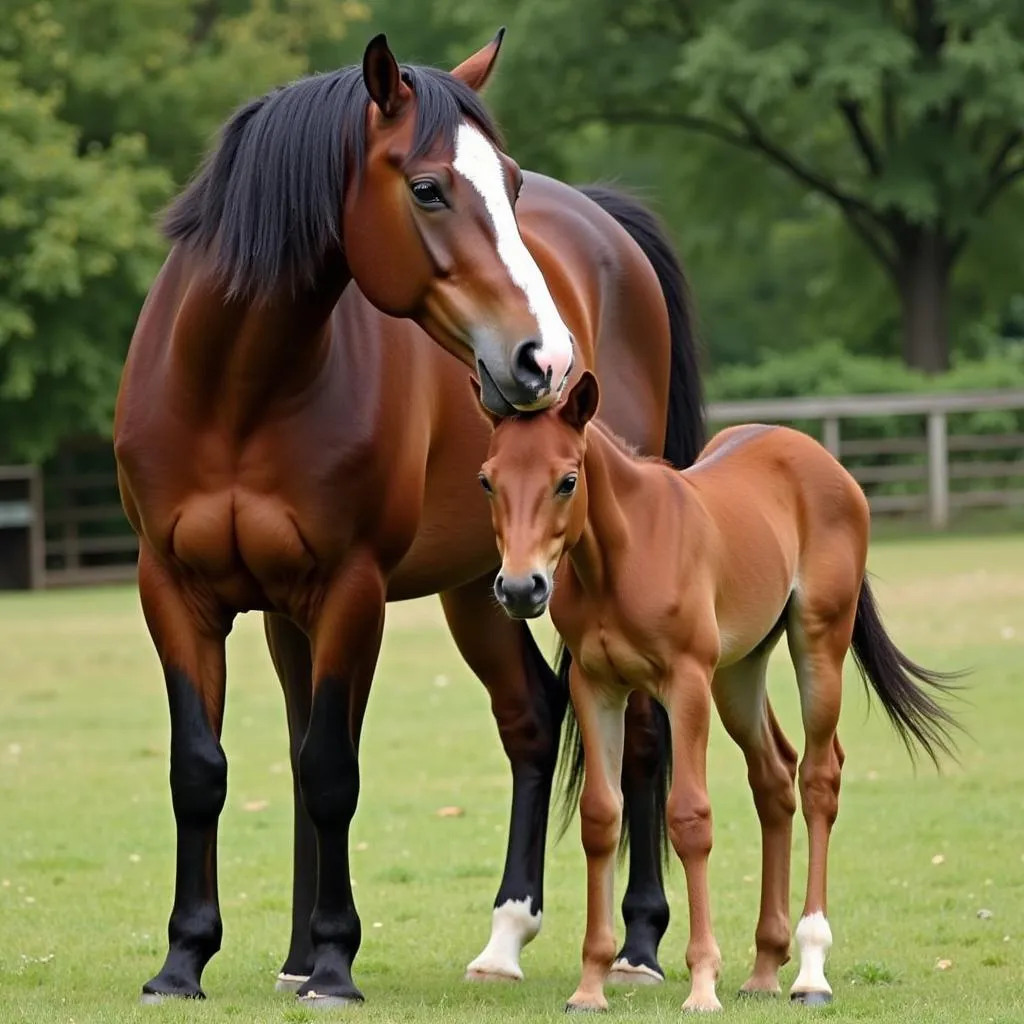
(924, 272)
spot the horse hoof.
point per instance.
(290, 982)
(811, 998)
(573, 1008)
(625, 973)
(757, 993)
(156, 998)
(318, 1002)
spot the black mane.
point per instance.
(268, 196)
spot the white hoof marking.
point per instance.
(290, 982)
(625, 973)
(814, 937)
(513, 925)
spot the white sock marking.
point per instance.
(477, 161)
(513, 925)
(814, 937)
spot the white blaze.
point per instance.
(477, 161)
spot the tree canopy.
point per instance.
(829, 170)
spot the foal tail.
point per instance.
(914, 713)
(685, 436)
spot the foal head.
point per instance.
(534, 479)
(400, 171)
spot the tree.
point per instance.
(106, 106)
(905, 116)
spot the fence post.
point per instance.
(938, 471)
(830, 434)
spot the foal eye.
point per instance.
(485, 484)
(427, 194)
(566, 486)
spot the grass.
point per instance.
(87, 839)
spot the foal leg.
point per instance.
(741, 698)
(600, 713)
(688, 699)
(189, 633)
(818, 641)
(528, 704)
(644, 906)
(289, 650)
(346, 641)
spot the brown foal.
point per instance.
(680, 584)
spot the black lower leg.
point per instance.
(645, 909)
(198, 790)
(329, 776)
(533, 753)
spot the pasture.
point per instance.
(86, 858)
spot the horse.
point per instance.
(680, 584)
(293, 436)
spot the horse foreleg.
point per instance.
(528, 704)
(688, 698)
(600, 711)
(289, 650)
(645, 910)
(189, 634)
(346, 636)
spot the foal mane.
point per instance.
(267, 198)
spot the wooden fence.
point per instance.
(934, 471)
(927, 465)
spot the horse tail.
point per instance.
(685, 435)
(913, 712)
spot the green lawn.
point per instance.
(87, 840)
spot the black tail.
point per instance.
(684, 439)
(913, 712)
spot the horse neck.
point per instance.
(613, 480)
(240, 356)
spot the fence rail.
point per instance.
(938, 498)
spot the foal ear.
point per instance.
(383, 77)
(476, 70)
(491, 418)
(579, 407)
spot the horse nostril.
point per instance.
(540, 588)
(525, 368)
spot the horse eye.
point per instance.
(427, 194)
(485, 484)
(567, 485)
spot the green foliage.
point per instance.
(105, 107)
(895, 124)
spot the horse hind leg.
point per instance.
(741, 697)
(528, 703)
(819, 634)
(645, 910)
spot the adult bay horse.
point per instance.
(680, 585)
(285, 446)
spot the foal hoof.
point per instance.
(290, 982)
(168, 990)
(625, 973)
(573, 1008)
(811, 998)
(757, 994)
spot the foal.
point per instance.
(680, 584)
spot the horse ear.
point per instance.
(383, 77)
(476, 70)
(579, 407)
(491, 418)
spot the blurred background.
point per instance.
(843, 181)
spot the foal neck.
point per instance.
(612, 478)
